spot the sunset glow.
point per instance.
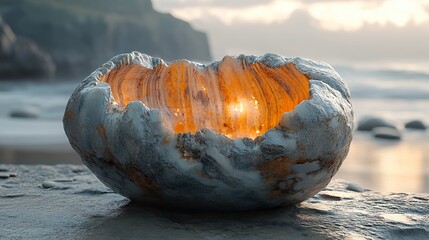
(354, 15)
(275, 11)
(330, 15)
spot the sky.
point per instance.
(360, 32)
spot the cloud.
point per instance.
(267, 13)
(332, 15)
(301, 36)
(350, 31)
(174, 4)
(353, 15)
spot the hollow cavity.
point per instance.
(237, 99)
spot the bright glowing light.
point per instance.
(353, 15)
(237, 108)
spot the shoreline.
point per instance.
(380, 165)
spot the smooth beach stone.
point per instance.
(79, 170)
(63, 180)
(369, 123)
(386, 133)
(25, 112)
(354, 187)
(49, 184)
(4, 175)
(13, 174)
(415, 124)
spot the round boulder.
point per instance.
(25, 112)
(415, 124)
(369, 123)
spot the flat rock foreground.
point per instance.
(68, 202)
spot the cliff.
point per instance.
(21, 57)
(79, 35)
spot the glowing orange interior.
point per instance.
(237, 99)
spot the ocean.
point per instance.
(381, 165)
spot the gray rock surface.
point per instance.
(386, 133)
(369, 123)
(21, 57)
(80, 35)
(415, 124)
(85, 209)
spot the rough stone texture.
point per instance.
(133, 152)
(81, 34)
(21, 57)
(85, 209)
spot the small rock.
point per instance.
(415, 124)
(369, 123)
(49, 184)
(386, 133)
(4, 175)
(354, 187)
(63, 180)
(329, 197)
(13, 174)
(4, 170)
(79, 169)
(25, 112)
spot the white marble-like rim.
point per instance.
(317, 72)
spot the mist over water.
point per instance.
(398, 95)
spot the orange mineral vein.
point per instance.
(238, 99)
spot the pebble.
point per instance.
(78, 170)
(369, 123)
(49, 184)
(329, 197)
(386, 133)
(354, 187)
(13, 174)
(4, 170)
(4, 175)
(63, 180)
(415, 124)
(25, 112)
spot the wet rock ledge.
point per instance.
(68, 202)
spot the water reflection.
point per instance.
(388, 166)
